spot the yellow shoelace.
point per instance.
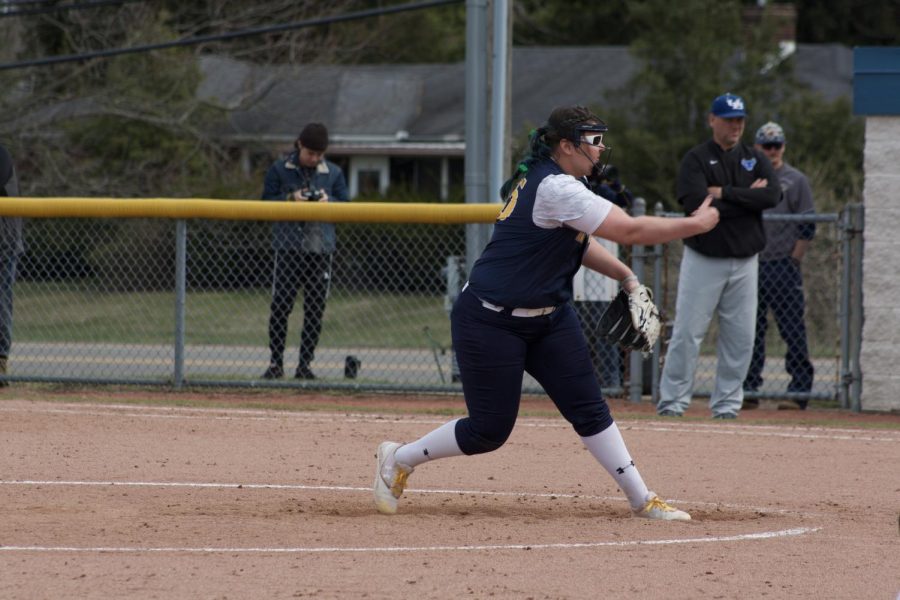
(399, 482)
(657, 502)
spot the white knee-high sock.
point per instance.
(440, 443)
(609, 449)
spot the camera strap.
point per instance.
(306, 177)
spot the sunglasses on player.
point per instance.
(594, 139)
(773, 146)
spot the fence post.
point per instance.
(180, 290)
(844, 311)
(856, 225)
(852, 224)
(636, 364)
(658, 297)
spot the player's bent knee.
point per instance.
(480, 445)
(593, 422)
(474, 440)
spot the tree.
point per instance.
(435, 35)
(860, 23)
(826, 142)
(690, 58)
(131, 125)
(573, 23)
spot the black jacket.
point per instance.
(740, 232)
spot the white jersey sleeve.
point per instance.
(561, 200)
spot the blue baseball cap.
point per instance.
(728, 106)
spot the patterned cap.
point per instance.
(770, 133)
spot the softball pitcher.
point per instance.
(514, 314)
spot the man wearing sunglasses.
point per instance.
(719, 268)
(780, 279)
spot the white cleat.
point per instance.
(390, 478)
(656, 508)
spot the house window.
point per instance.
(368, 182)
(419, 175)
(368, 176)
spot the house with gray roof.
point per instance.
(404, 124)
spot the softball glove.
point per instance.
(631, 320)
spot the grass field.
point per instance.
(75, 312)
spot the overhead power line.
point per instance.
(27, 12)
(363, 14)
(17, 2)
(20, 2)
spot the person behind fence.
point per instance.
(514, 314)
(303, 251)
(780, 279)
(592, 292)
(719, 269)
(11, 248)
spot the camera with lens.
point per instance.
(302, 194)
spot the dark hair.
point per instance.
(564, 123)
(314, 137)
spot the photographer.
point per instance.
(604, 181)
(303, 251)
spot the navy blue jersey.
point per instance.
(524, 265)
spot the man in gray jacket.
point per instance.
(780, 279)
(303, 250)
(11, 247)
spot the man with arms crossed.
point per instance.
(719, 268)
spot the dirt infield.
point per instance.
(124, 495)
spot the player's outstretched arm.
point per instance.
(624, 229)
(599, 259)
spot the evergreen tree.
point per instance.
(689, 58)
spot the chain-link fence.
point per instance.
(797, 351)
(189, 302)
(157, 301)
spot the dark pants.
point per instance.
(8, 263)
(293, 270)
(781, 289)
(494, 351)
(605, 357)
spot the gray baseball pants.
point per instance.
(708, 286)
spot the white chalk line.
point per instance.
(763, 535)
(132, 411)
(343, 488)
(154, 412)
